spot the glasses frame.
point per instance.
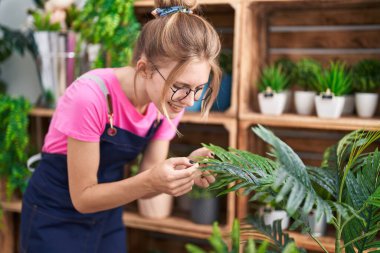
(174, 90)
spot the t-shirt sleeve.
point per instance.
(167, 131)
(82, 111)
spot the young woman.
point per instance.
(104, 120)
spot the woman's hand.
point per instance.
(203, 178)
(167, 178)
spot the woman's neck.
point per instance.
(135, 92)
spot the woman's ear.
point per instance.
(144, 69)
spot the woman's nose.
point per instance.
(189, 100)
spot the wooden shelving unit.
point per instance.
(295, 29)
(171, 225)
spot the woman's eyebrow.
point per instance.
(188, 85)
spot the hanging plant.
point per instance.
(14, 140)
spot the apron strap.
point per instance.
(100, 82)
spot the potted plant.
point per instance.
(279, 242)
(332, 84)
(204, 205)
(55, 42)
(272, 86)
(305, 77)
(347, 174)
(112, 27)
(288, 68)
(14, 141)
(157, 207)
(366, 82)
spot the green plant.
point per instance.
(288, 67)
(336, 79)
(219, 245)
(366, 75)
(42, 21)
(14, 142)
(306, 73)
(351, 175)
(225, 60)
(12, 40)
(202, 193)
(273, 77)
(111, 23)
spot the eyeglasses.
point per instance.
(180, 93)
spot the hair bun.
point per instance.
(189, 4)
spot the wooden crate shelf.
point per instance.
(171, 225)
(312, 122)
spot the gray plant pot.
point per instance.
(204, 211)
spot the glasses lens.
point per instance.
(199, 94)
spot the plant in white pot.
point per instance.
(305, 77)
(272, 86)
(332, 84)
(366, 82)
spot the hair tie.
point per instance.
(160, 12)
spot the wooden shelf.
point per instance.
(171, 225)
(189, 117)
(312, 122)
(150, 3)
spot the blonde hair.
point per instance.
(183, 38)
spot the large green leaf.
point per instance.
(362, 188)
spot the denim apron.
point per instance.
(49, 221)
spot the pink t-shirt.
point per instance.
(81, 113)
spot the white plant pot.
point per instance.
(318, 227)
(273, 105)
(366, 104)
(329, 108)
(304, 102)
(157, 207)
(349, 105)
(271, 216)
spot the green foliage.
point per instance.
(41, 21)
(225, 60)
(336, 78)
(202, 193)
(274, 78)
(350, 176)
(288, 67)
(11, 40)
(14, 142)
(111, 23)
(306, 73)
(366, 75)
(219, 246)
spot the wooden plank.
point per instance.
(325, 39)
(170, 225)
(364, 14)
(313, 122)
(323, 58)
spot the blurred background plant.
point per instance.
(337, 79)
(113, 25)
(14, 142)
(53, 15)
(366, 75)
(273, 77)
(13, 40)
